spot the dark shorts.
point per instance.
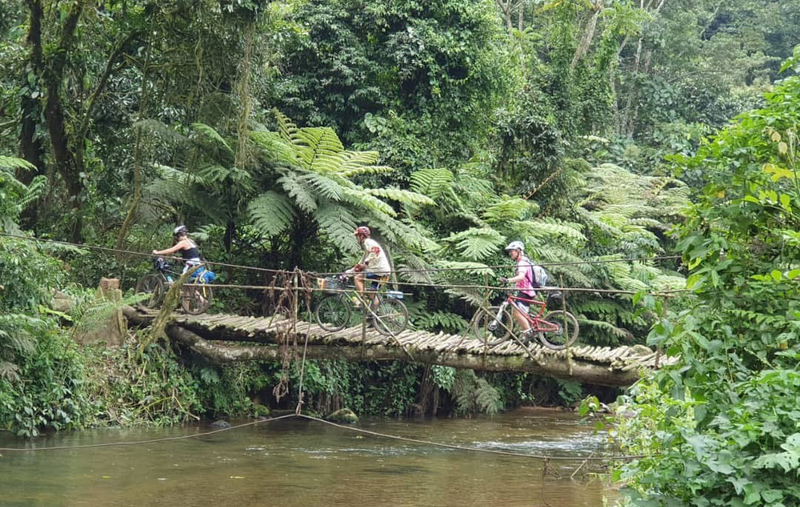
(376, 280)
(523, 306)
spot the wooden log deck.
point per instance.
(231, 338)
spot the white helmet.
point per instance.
(181, 229)
(516, 245)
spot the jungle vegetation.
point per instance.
(589, 129)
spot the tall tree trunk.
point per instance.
(624, 123)
(507, 12)
(54, 115)
(245, 100)
(520, 14)
(30, 145)
(588, 35)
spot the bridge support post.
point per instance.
(566, 325)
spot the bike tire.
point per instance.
(197, 299)
(391, 317)
(484, 317)
(555, 339)
(333, 313)
(153, 285)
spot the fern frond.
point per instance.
(271, 213)
(469, 268)
(338, 224)
(35, 190)
(550, 229)
(508, 209)
(477, 244)
(327, 187)
(365, 200)
(15, 163)
(160, 129)
(211, 136)
(403, 196)
(432, 182)
(297, 190)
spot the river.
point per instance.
(293, 463)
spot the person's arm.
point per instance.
(514, 279)
(180, 245)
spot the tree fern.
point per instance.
(271, 213)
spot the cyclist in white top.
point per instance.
(374, 265)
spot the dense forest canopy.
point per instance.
(588, 129)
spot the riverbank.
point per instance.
(66, 386)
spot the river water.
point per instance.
(293, 463)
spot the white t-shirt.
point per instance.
(375, 258)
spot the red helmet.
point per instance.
(362, 231)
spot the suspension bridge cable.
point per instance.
(402, 271)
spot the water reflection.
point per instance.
(297, 463)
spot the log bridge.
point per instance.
(225, 339)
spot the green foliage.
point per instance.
(721, 425)
(474, 394)
(48, 391)
(412, 80)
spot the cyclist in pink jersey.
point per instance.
(523, 282)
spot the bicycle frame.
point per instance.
(536, 322)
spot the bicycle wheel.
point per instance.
(557, 340)
(196, 299)
(391, 316)
(333, 313)
(489, 328)
(151, 284)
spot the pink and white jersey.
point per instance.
(525, 268)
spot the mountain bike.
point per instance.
(336, 306)
(495, 324)
(195, 298)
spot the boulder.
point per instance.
(343, 416)
(220, 424)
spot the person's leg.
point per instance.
(520, 315)
(359, 280)
(375, 286)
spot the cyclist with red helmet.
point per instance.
(374, 264)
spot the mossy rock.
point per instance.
(259, 410)
(343, 416)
